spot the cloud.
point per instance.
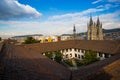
(13, 9)
(100, 6)
(68, 16)
(113, 0)
(77, 14)
(60, 24)
(97, 1)
(58, 27)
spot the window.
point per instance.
(79, 56)
(75, 55)
(66, 50)
(70, 49)
(82, 56)
(100, 54)
(78, 50)
(75, 49)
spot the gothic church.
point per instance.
(94, 31)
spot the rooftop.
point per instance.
(26, 63)
(104, 46)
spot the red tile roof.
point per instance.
(101, 70)
(105, 46)
(26, 63)
(23, 64)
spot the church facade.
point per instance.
(94, 31)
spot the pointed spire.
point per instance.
(74, 30)
(98, 22)
(91, 21)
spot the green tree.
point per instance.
(30, 40)
(49, 55)
(58, 56)
(69, 62)
(90, 57)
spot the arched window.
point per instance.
(82, 56)
(78, 50)
(70, 49)
(79, 56)
(75, 49)
(75, 55)
(66, 50)
(100, 54)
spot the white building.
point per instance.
(65, 37)
(79, 53)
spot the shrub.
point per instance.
(58, 56)
(90, 57)
(31, 40)
(49, 55)
(69, 62)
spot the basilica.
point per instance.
(94, 31)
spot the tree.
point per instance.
(49, 55)
(58, 56)
(30, 40)
(90, 57)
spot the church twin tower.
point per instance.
(94, 31)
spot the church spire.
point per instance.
(74, 32)
(98, 22)
(91, 21)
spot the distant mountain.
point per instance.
(66, 35)
(28, 35)
(111, 30)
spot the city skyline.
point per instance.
(53, 17)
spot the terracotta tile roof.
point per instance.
(113, 70)
(1, 44)
(23, 64)
(101, 70)
(26, 63)
(105, 46)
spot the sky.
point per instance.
(55, 17)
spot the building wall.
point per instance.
(46, 39)
(72, 53)
(79, 53)
(63, 38)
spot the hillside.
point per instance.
(111, 30)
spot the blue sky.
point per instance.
(55, 17)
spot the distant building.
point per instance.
(22, 39)
(65, 37)
(112, 36)
(77, 36)
(94, 31)
(46, 39)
